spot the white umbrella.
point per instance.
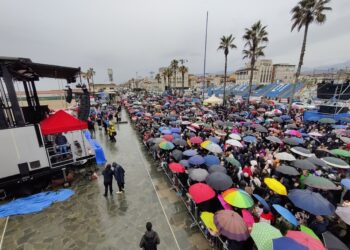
(234, 143)
(345, 139)
(344, 214)
(284, 156)
(214, 148)
(316, 134)
(235, 137)
(335, 162)
(301, 151)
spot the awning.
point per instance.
(61, 122)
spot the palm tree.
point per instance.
(174, 65)
(254, 37)
(157, 77)
(168, 73)
(183, 70)
(226, 43)
(305, 13)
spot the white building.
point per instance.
(175, 83)
(283, 73)
(262, 73)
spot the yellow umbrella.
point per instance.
(205, 144)
(275, 186)
(208, 220)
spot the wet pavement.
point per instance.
(90, 221)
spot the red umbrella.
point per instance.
(168, 137)
(201, 192)
(306, 240)
(176, 167)
(196, 140)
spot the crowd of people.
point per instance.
(253, 162)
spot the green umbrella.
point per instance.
(341, 152)
(327, 120)
(319, 182)
(263, 234)
(308, 231)
(165, 145)
(233, 162)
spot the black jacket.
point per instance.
(150, 240)
(107, 175)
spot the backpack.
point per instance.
(149, 243)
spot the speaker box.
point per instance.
(84, 108)
(328, 109)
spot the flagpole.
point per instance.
(205, 54)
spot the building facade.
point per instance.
(262, 73)
(283, 73)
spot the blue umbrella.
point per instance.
(285, 213)
(166, 132)
(190, 152)
(214, 139)
(139, 113)
(211, 160)
(286, 243)
(285, 117)
(346, 183)
(176, 136)
(311, 202)
(175, 130)
(298, 140)
(262, 201)
(250, 139)
(185, 163)
(196, 160)
(339, 126)
(163, 128)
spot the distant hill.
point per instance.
(327, 68)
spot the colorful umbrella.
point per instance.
(308, 231)
(201, 192)
(275, 186)
(224, 204)
(198, 174)
(208, 220)
(286, 214)
(263, 234)
(165, 145)
(190, 152)
(344, 214)
(335, 162)
(219, 181)
(285, 243)
(205, 143)
(238, 198)
(341, 152)
(211, 160)
(196, 140)
(319, 182)
(176, 167)
(311, 202)
(306, 240)
(231, 225)
(196, 160)
(333, 243)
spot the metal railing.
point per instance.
(58, 159)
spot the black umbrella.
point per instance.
(177, 155)
(290, 141)
(304, 164)
(180, 142)
(278, 119)
(217, 168)
(287, 170)
(292, 126)
(333, 243)
(261, 129)
(219, 181)
(317, 162)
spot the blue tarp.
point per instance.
(315, 116)
(34, 203)
(99, 154)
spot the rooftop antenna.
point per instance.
(205, 53)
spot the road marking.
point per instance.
(154, 187)
(3, 233)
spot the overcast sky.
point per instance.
(132, 36)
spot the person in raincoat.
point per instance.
(111, 131)
(119, 173)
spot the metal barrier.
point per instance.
(58, 159)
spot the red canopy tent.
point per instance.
(60, 122)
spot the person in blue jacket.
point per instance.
(119, 174)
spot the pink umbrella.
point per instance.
(306, 240)
(248, 217)
(224, 204)
(295, 133)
